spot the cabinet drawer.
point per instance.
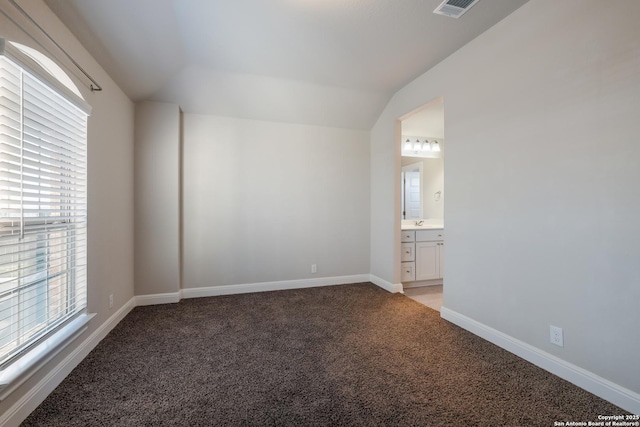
(407, 236)
(407, 252)
(408, 272)
(429, 235)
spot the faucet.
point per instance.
(419, 223)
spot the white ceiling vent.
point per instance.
(454, 8)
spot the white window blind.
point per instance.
(43, 214)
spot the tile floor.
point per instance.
(431, 296)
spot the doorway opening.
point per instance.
(422, 203)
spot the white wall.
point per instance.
(265, 200)
(110, 185)
(541, 179)
(157, 198)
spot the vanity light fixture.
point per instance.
(418, 146)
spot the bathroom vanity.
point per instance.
(422, 256)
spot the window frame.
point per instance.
(16, 370)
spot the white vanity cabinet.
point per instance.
(428, 256)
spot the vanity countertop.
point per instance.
(423, 227)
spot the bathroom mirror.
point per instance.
(422, 181)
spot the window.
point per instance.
(43, 204)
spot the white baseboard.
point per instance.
(422, 283)
(154, 299)
(614, 393)
(387, 286)
(211, 291)
(36, 395)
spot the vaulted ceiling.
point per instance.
(321, 62)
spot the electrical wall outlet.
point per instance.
(111, 301)
(314, 268)
(556, 336)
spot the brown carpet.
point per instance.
(351, 355)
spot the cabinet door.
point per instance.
(427, 260)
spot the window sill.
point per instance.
(14, 375)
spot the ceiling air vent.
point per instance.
(454, 8)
